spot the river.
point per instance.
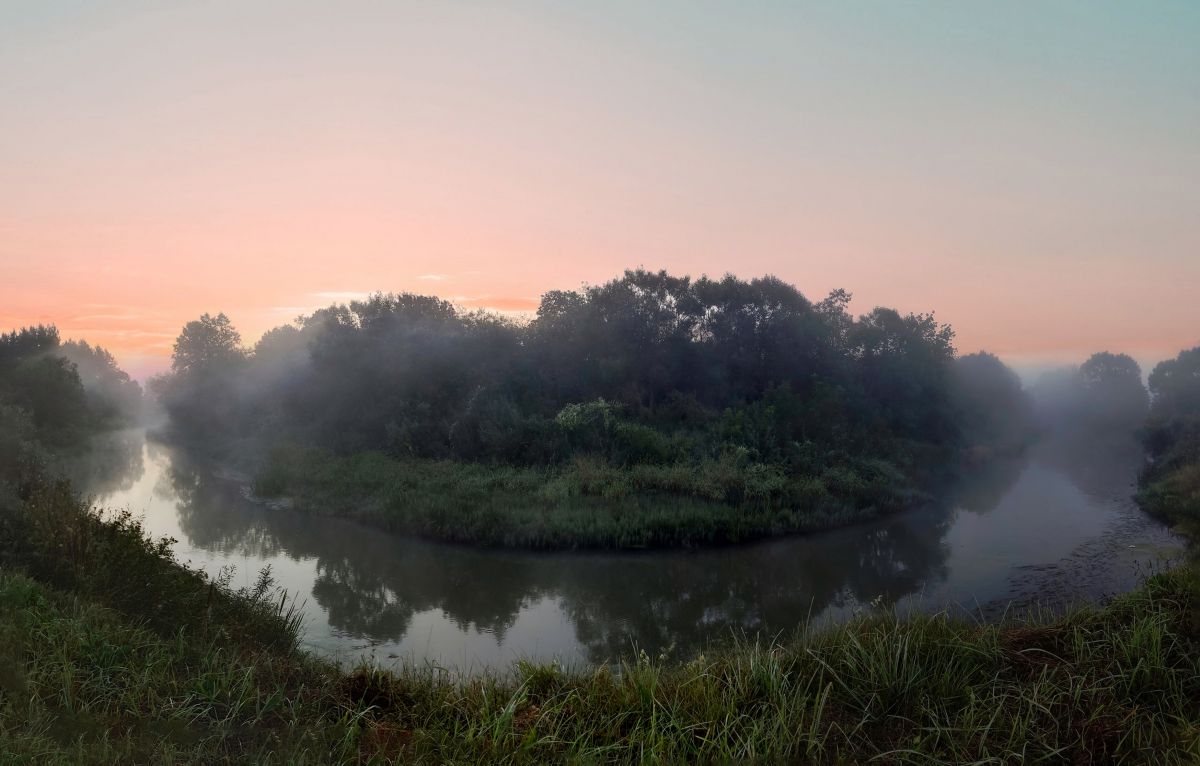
(1053, 527)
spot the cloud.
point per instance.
(95, 331)
(433, 277)
(344, 295)
(109, 317)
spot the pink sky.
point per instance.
(1032, 180)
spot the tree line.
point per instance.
(53, 396)
(648, 367)
(631, 368)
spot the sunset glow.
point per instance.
(1031, 178)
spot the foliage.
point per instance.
(1175, 385)
(206, 346)
(993, 407)
(67, 389)
(643, 374)
(414, 376)
(1171, 482)
(112, 395)
(1113, 389)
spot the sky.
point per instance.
(1028, 171)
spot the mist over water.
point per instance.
(1054, 526)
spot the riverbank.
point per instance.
(115, 653)
(587, 503)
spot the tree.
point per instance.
(27, 342)
(903, 367)
(1175, 385)
(112, 394)
(992, 406)
(202, 394)
(1172, 434)
(1112, 390)
(206, 345)
(48, 387)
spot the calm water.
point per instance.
(1053, 527)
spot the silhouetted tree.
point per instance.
(1112, 390)
(992, 406)
(207, 345)
(202, 394)
(1172, 433)
(113, 396)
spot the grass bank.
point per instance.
(1173, 494)
(584, 503)
(112, 652)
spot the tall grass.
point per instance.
(585, 503)
(108, 558)
(1174, 495)
(1115, 685)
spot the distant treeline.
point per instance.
(648, 367)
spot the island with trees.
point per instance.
(650, 410)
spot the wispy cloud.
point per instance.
(434, 277)
(109, 317)
(343, 295)
(95, 331)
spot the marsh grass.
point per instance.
(586, 503)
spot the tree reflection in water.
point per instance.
(370, 584)
(112, 462)
(1103, 465)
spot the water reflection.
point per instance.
(987, 484)
(1103, 465)
(111, 462)
(370, 584)
(373, 587)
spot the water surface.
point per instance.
(1053, 527)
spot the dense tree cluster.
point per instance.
(647, 368)
(53, 395)
(113, 398)
(1173, 428)
(993, 408)
(63, 388)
